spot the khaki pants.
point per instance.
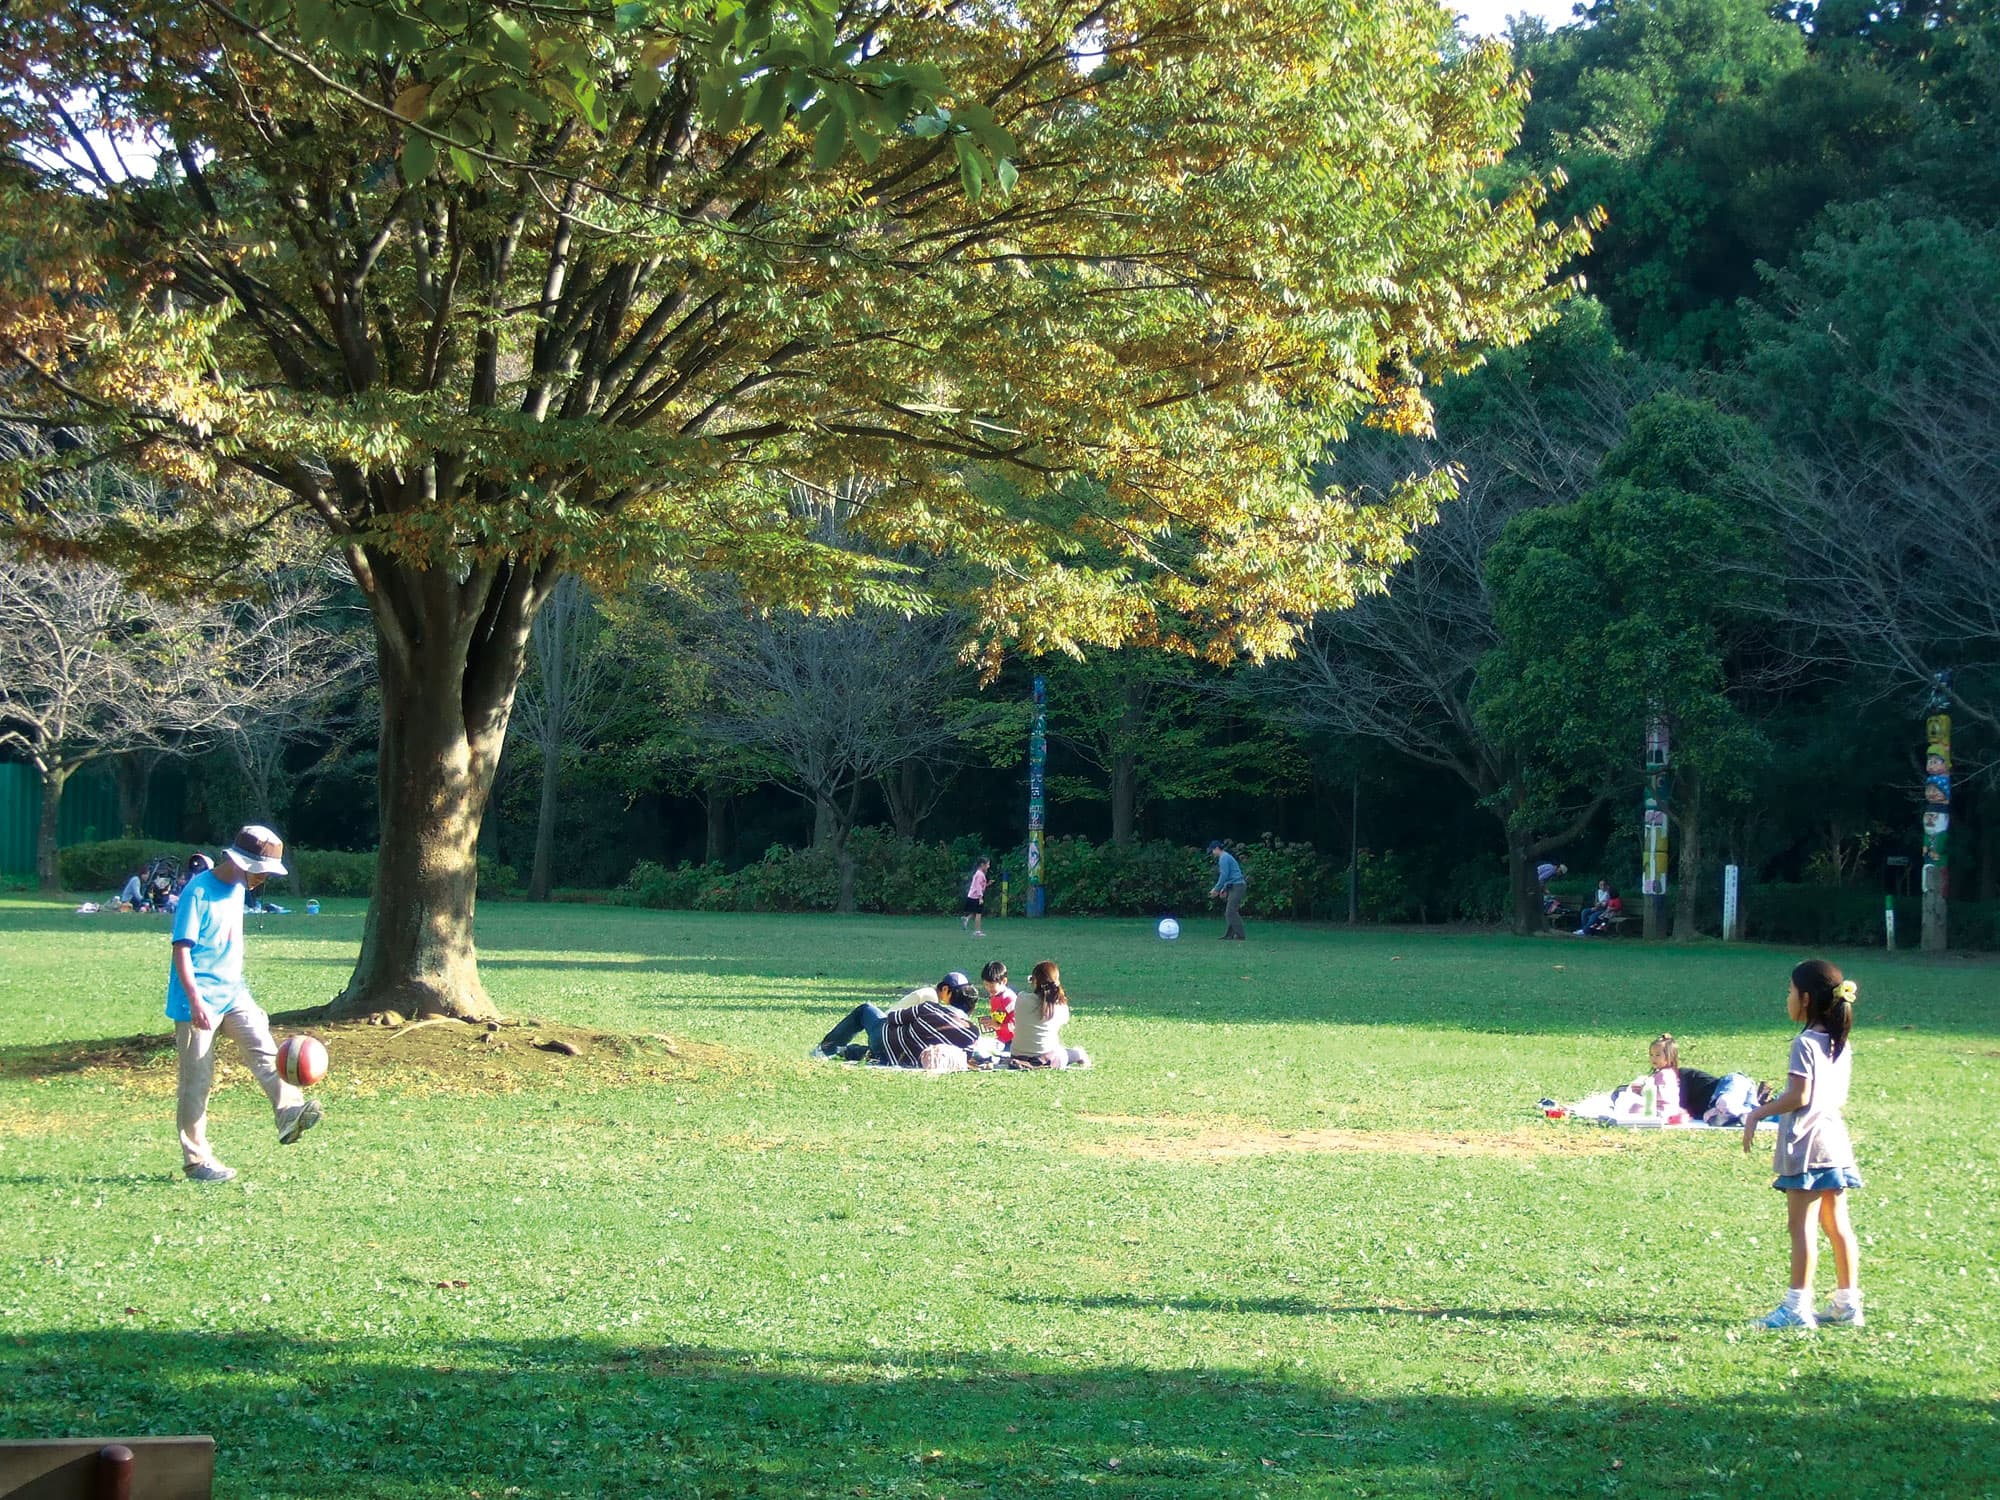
(246, 1025)
(1232, 912)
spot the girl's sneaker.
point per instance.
(1785, 1317)
(1844, 1314)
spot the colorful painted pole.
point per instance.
(1038, 759)
(1937, 812)
(1653, 840)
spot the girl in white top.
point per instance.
(1039, 1020)
(1814, 1160)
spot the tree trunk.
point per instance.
(47, 865)
(823, 820)
(715, 843)
(1124, 797)
(449, 655)
(545, 824)
(134, 773)
(1687, 899)
(843, 852)
(900, 791)
(1527, 891)
(1989, 844)
(1125, 765)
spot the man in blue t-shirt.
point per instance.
(206, 996)
(1230, 885)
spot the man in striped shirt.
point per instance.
(939, 1014)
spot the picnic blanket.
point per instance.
(1628, 1110)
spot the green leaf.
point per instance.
(721, 102)
(419, 156)
(631, 15)
(1006, 175)
(831, 140)
(764, 105)
(463, 164)
(971, 167)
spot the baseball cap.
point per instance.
(257, 851)
(963, 992)
(1213, 845)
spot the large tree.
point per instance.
(93, 670)
(833, 706)
(564, 705)
(1400, 668)
(497, 292)
(1629, 606)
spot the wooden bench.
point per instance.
(144, 1468)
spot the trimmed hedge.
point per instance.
(1846, 916)
(103, 866)
(1082, 879)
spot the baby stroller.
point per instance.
(158, 883)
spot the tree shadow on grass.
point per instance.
(375, 1417)
(1308, 1307)
(124, 1053)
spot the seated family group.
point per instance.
(934, 1027)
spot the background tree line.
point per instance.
(1749, 480)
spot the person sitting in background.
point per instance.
(940, 1015)
(134, 893)
(1038, 1024)
(197, 862)
(1606, 905)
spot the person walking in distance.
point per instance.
(975, 898)
(206, 998)
(1230, 886)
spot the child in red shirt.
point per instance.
(1001, 999)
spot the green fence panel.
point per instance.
(89, 811)
(20, 801)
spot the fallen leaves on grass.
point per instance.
(437, 1056)
(1199, 1142)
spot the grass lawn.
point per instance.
(1301, 1232)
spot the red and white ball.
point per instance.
(302, 1060)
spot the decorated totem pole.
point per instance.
(1937, 811)
(1653, 840)
(1038, 759)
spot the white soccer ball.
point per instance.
(1169, 929)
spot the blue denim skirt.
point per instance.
(1821, 1180)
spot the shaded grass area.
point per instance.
(629, 1418)
(1301, 1233)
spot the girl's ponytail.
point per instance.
(1046, 982)
(1829, 999)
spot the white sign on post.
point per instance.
(1730, 931)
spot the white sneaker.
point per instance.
(309, 1114)
(209, 1171)
(1785, 1317)
(1844, 1313)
